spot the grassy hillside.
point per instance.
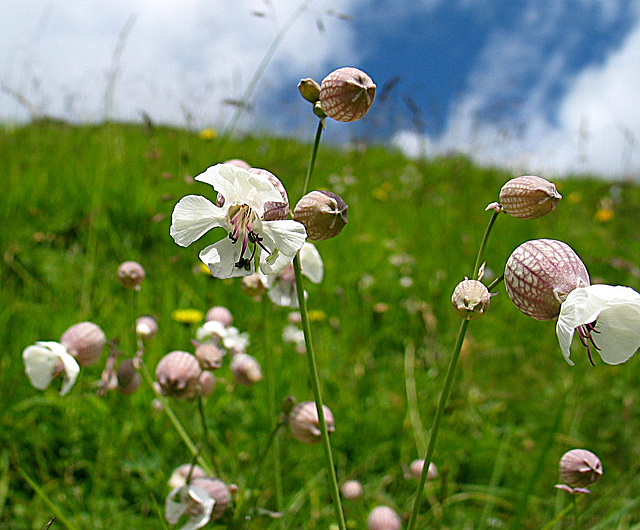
(77, 201)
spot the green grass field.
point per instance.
(77, 201)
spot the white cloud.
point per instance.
(182, 55)
(594, 128)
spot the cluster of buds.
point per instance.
(346, 94)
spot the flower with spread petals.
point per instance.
(193, 501)
(282, 286)
(43, 361)
(606, 318)
(252, 242)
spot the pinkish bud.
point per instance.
(580, 468)
(219, 314)
(322, 213)
(218, 491)
(131, 274)
(470, 299)
(128, 377)
(178, 375)
(529, 197)
(85, 341)
(146, 327)
(304, 423)
(347, 94)
(246, 370)
(383, 518)
(540, 274)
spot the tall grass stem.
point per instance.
(314, 154)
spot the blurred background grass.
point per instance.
(77, 201)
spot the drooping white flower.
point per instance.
(282, 287)
(193, 501)
(606, 318)
(45, 360)
(252, 242)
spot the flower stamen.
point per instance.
(240, 221)
(584, 332)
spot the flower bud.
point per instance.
(85, 341)
(254, 285)
(347, 94)
(181, 473)
(470, 299)
(218, 491)
(580, 468)
(146, 327)
(238, 162)
(246, 370)
(322, 213)
(178, 374)
(304, 423)
(415, 469)
(128, 377)
(207, 383)
(219, 314)
(540, 274)
(209, 356)
(529, 197)
(383, 518)
(351, 489)
(309, 90)
(131, 274)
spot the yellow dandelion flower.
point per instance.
(604, 215)
(574, 197)
(208, 134)
(187, 316)
(317, 315)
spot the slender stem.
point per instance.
(412, 397)
(446, 389)
(207, 437)
(273, 405)
(41, 493)
(444, 396)
(314, 154)
(315, 382)
(576, 514)
(476, 267)
(176, 422)
(495, 282)
(266, 59)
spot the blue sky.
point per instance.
(537, 86)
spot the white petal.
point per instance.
(187, 494)
(239, 186)
(283, 239)
(284, 294)
(616, 310)
(39, 364)
(192, 217)
(618, 332)
(211, 330)
(71, 371)
(311, 263)
(221, 258)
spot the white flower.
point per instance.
(45, 360)
(212, 330)
(606, 317)
(252, 241)
(282, 286)
(234, 341)
(193, 501)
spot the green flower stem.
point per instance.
(207, 436)
(476, 267)
(314, 154)
(446, 389)
(273, 405)
(41, 493)
(576, 513)
(208, 468)
(315, 381)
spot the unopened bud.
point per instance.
(580, 468)
(309, 90)
(178, 375)
(207, 383)
(131, 274)
(85, 341)
(146, 327)
(219, 314)
(540, 274)
(347, 94)
(322, 213)
(383, 518)
(128, 377)
(470, 299)
(415, 469)
(209, 356)
(304, 423)
(351, 489)
(246, 369)
(218, 491)
(529, 197)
